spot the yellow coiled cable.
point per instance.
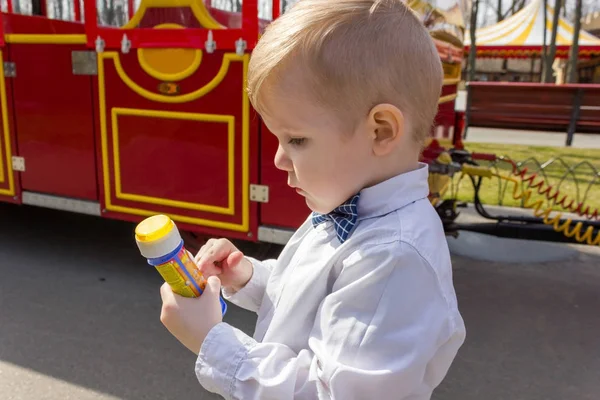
(539, 210)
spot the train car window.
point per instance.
(19, 6)
(264, 6)
(113, 12)
(61, 9)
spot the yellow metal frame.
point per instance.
(45, 38)
(178, 76)
(447, 98)
(228, 119)
(184, 98)
(169, 77)
(451, 72)
(227, 59)
(453, 81)
(5, 127)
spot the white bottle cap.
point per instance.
(157, 236)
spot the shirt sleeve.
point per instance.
(385, 328)
(250, 296)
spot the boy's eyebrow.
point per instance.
(281, 127)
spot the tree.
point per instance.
(574, 51)
(499, 16)
(473, 48)
(544, 55)
(500, 8)
(552, 51)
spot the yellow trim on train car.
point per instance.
(169, 56)
(184, 98)
(197, 6)
(7, 148)
(241, 227)
(228, 119)
(453, 81)
(451, 71)
(45, 38)
(447, 98)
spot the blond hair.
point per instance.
(356, 54)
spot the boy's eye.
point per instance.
(297, 141)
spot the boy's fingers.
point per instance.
(234, 259)
(212, 257)
(208, 265)
(202, 251)
(210, 270)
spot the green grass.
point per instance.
(495, 191)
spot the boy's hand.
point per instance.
(190, 319)
(221, 258)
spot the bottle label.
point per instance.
(182, 275)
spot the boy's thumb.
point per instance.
(213, 286)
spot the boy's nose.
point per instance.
(282, 161)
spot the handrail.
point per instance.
(102, 38)
(77, 10)
(276, 9)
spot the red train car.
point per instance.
(152, 117)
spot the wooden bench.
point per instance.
(534, 106)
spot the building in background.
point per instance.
(510, 50)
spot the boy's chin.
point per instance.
(317, 208)
(311, 205)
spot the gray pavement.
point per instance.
(531, 138)
(79, 316)
(79, 319)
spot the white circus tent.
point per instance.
(522, 36)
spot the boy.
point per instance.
(360, 304)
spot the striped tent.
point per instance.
(522, 36)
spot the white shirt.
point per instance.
(373, 318)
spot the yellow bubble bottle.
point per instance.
(158, 240)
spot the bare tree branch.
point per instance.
(473, 50)
(552, 52)
(574, 51)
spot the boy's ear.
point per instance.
(386, 127)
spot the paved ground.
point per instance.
(551, 139)
(79, 320)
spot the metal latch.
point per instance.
(210, 45)
(259, 193)
(18, 164)
(84, 63)
(125, 44)
(240, 47)
(10, 69)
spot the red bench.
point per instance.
(534, 106)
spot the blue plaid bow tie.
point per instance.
(343, 217)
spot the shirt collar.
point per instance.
(394, 193)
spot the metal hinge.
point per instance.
(259, 193)
(18, 164)
(84, 63)
(10, 69)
